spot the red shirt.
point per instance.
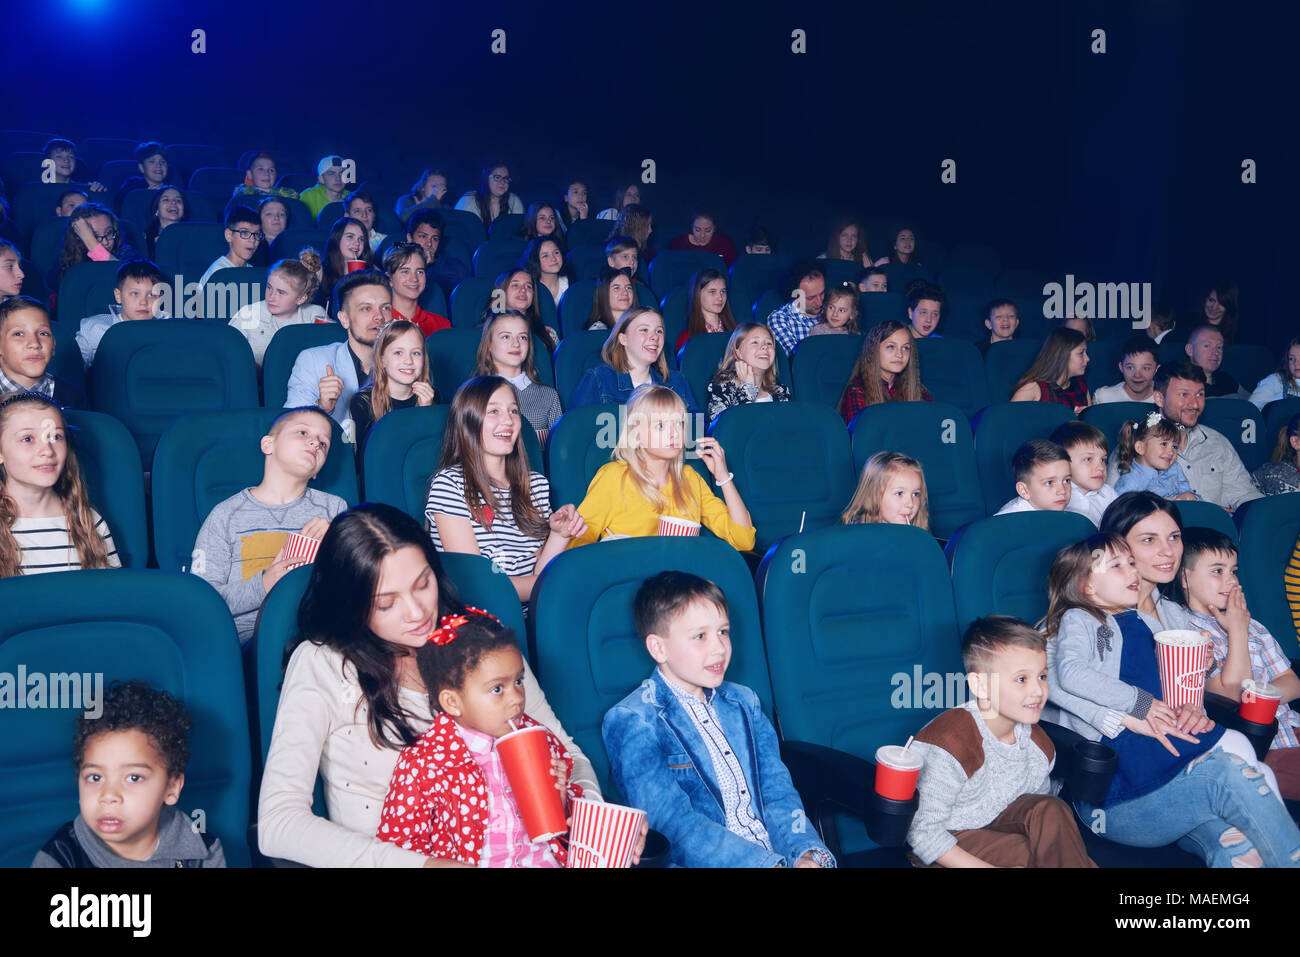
(1075, 394)
(720, 244)
(429, 322)
(855, 398)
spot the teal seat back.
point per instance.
(938, 436)
(575, 306)
(463, 225)
(506, 226)
(496, 256)
(1111, 416)
(229, 290)
(576, 353)
(1000, 564)
(1005, 363)
(590, 231)
(585, 648)
(821, 365)
(672, 267)
(792, 462)
(434, 299)
(879, 306)
(1001, 429)
(951, 369)
(1270, 529)
(66, 364)
(586, 260)
(189, 248)
(767, 302)
(1278, 413)
(1241, 423)
(110, 467)
(282, 352)
(293, 240)
(205, 458)
(577, 446)
(840, 654)
(173, 632)
(1104, 357)
(469, 299)
(453, 359)
(148, 374)
(1207, 515)
(403, 452)
(1248, 363)
(86, 290)
(749, 277)
(47, 243)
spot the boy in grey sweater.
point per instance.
(985, 788)
(240, 549)
(131, 762)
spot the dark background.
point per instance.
(1122, 167)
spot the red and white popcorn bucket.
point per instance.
(1184, 658)
(602, 835)
(302, 548)
(678, 527)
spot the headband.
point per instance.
(445, 633)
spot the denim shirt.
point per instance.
(604, 384)
(661, 764)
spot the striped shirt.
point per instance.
(737, 802)
(46, 547)
(514, 552)
(1291, 583)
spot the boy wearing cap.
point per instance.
(985, 785)
(329, 185)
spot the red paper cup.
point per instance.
(603, 835)
(355, 265)
(896, 772)
(1259, 701)
(526, 757)
(680, 527)
(1184, 658)
(301, 547)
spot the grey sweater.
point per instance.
(177, 841)
(970, 777)
(240, 538)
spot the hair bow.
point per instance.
(1153, 418)
(445, 633)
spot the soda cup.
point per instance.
(526, 757)
(896, 772)
(356, 265)
(1259, 701)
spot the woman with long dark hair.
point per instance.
(493, 196)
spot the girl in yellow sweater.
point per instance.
(648, 478)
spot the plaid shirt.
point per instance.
(45, 386)
(790, 326)
(1267, 661)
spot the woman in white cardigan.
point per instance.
(352, 696)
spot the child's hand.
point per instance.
(744, 371)
(97, 187)
(807, 861)
(1186, 497)
(561, 772)
(330, 387)
(1192, 720)
(423, 393)
(567, 522)
(711, 454)
(1236, 617)
(316, 528)
(278, 569)
(1145, 727)
(1162, 713)
(87, 235)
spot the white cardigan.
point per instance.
(320, 726)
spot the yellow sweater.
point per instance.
(613, 504)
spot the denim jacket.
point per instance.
(603, 384)
(661, 764)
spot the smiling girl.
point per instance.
(400, 379)
(347, 241)
(405, 264)
(1147, 458)
(747, 372)
(506, 350)
(840, 312)
(633, 356)
(166, 207)
(614, 295)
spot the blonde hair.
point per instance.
(647, 402)
(380, 392)
(615, 355)
(727, 367)
(69, 488)
(864, 508)
(301, 271)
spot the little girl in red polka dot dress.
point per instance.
(449, 797)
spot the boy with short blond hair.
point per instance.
(240, 550)
(985, 784)
(686, 712)
(1087, 448)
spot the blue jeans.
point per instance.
(1218, 807)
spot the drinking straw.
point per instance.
(909, 742)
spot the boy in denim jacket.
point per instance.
(695, 751)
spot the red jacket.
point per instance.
(427, 810)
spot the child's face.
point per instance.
(69, 204)
(501, 423)
(895, 353)
(137, 298)
(427, 237)
(404, 358)
(492, 695)
(26, 346)
(1087, 467)
(154, 169)
(876, 282)
(33, 447)
(713, 297)
(576, 194)
(122, 787)
(623, 259)
(1214, 309)
(332, 180)
(662, 434)
(1156, 452)
(409, 279)
(1048, 488)
(643, 339)
(905, 243)
(1002, 323)
(1292, 361)
(499, 181)
(171, 206)
(11, 273)
(301, 445)
(274, 220)
(104, 230)
(702, 231)
(243, 239)
(546, 221)
(263, 172)
(1210, 582)
(549, 258)
(848, 241)
(1113, 581)
(351, 242)
(405, 605)
(361, 210)
(282, 295)
(622, 295)
(695, 648)
(65, 161)
(757, 349)
(1138, 370)
(925, 317)
(1015, 685)
(902, 498)
(1078, 361)
(519, 292)
(509, 343)
(839, 310)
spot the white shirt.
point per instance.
(1117, 393)
(1091, 504)
(222, 263)
(1017, 504)
(257, 325)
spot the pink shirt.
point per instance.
(505, 841)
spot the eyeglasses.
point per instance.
(249, 234)
(108, 236)
(498, 178)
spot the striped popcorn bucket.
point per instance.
(602, 835)
(302, 548)
(1184, 658)
(671, 525)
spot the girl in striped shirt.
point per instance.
(47, 523)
